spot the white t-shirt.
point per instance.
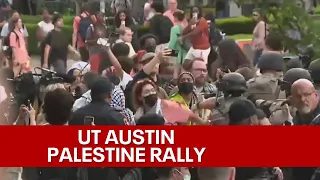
(5, 31)
(45, 27)
(132, 51)
(81, 65)
(126, 78)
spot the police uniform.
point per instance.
(231, 82)
(265, 86)
(279, 110)
(314, 69)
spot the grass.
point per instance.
(240, 36)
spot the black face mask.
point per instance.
(185, 88)
(151, 99)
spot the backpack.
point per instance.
(264, 87)
(215, 35)
(84, 24)
(8, 50)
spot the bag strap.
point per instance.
(17, 37)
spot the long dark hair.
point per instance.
(12, 24)
(129, 20)
(263, 16)
(231, 55)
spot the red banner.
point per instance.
(171, 146)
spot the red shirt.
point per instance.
(201, 40)
(76, 22)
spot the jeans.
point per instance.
(256, 57)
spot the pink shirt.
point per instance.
(21, 52)
(76, 22)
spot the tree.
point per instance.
(288, 18)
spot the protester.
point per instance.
(77, 40)
(149, 66)
(147, 10)
(96, 51)
(146, 98)
(148, 42)
(41, 119)
(173, 7)
(44, 26)
(198, 69)
(118, 5)
(273, 43)
(6, 27)
(197, 32)
(57, 47)
(160, 26)
(186, 91)
(126, 37)
(174, 44)
(230, 57)
(99, 109)
(118, 103)
(124, 19)
(260, 32)
(20, 57)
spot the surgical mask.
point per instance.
(185, 88)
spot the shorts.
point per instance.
(198, 54)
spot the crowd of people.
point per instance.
(180, 73)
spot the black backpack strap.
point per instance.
(17, 37)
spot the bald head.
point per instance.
(302, 83)
(223, 173)
(304, 96)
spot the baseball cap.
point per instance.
(101, 86)
(148, 56)
(242, 109)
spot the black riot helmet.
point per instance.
(291, 76)
(232, 83)
(271, 61)
(314, 69)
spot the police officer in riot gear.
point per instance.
(314, 69)
(280, 111)
(233, 86)
(265, 84)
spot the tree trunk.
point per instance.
(29, 7)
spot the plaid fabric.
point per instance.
(118, 102)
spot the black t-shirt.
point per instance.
(58, 42)
(160, 26)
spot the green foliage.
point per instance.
(33, 48)
(289, 16)
(27, 19)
